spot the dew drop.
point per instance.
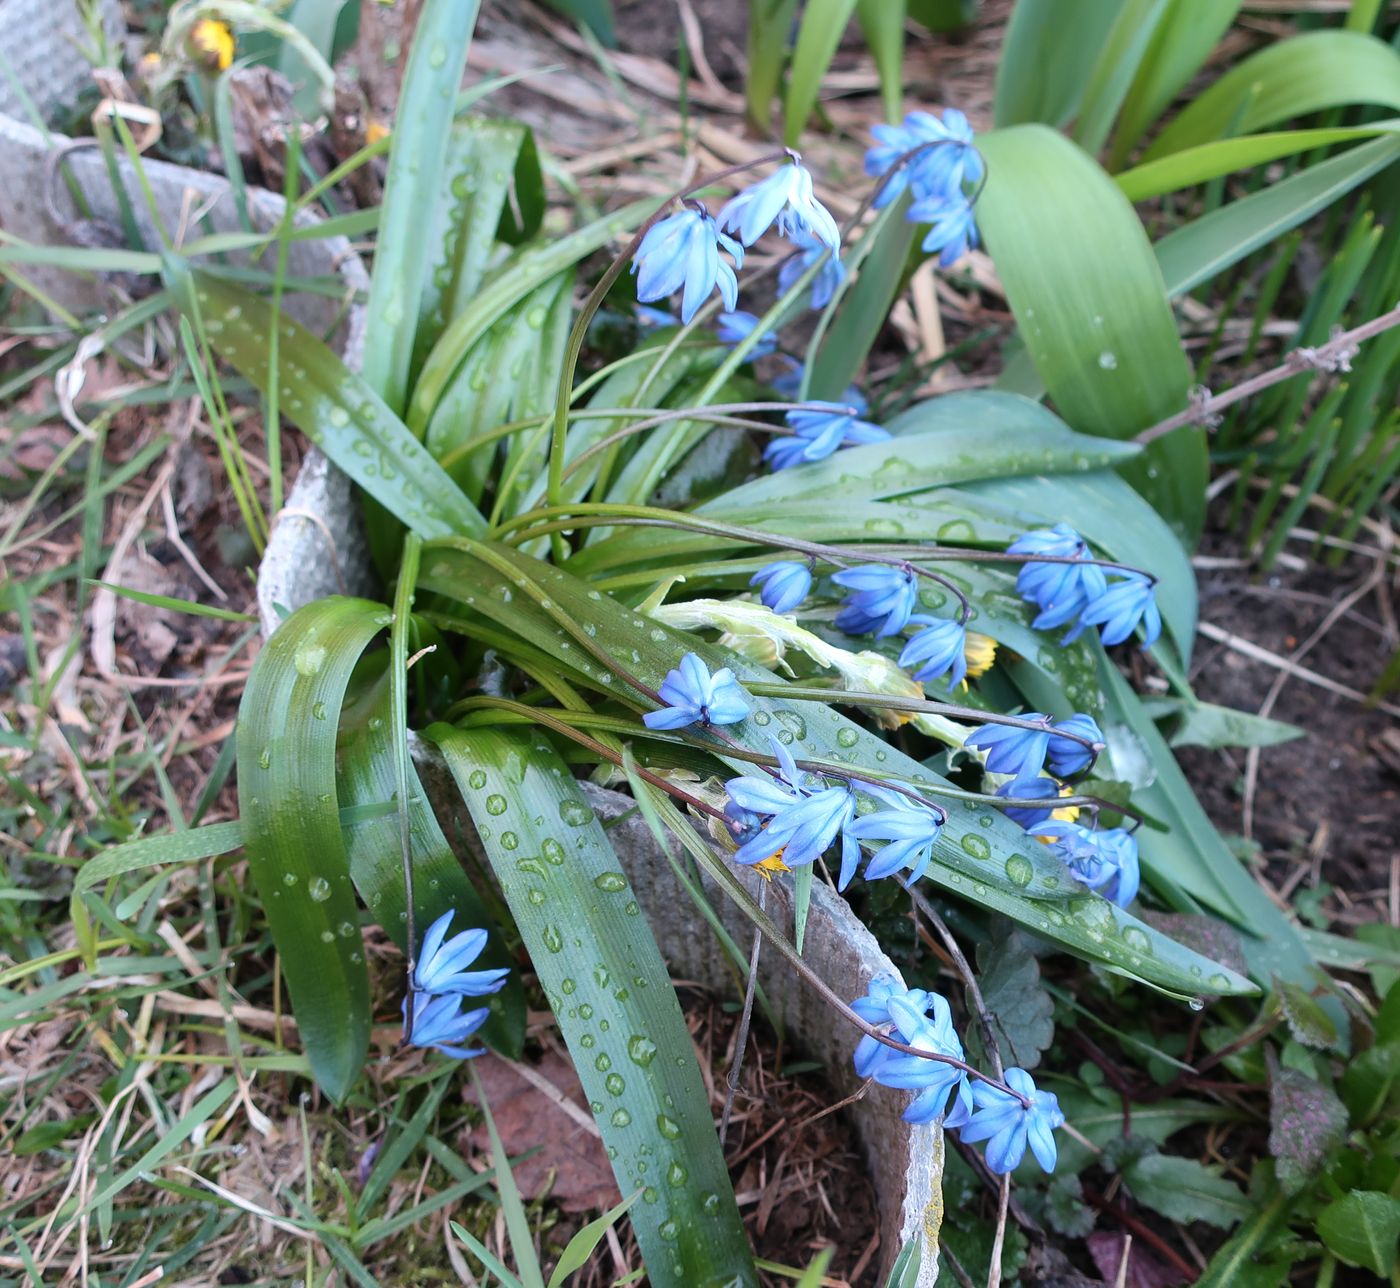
(761, 718)
(553, 852)
(620, 1117)
(603, 1062)
(265, 758)
(319, 889)
(536, 896)
(641, 1050)
(676, 1176)
(553, 940)
(1136, 939)
(477, 779)
(496, 803)
(847, 737)
(574, 812)
(976, 846)
(567, 986)
(710, 1203)
(1108, 360)
(510, 841)
(668, 1127)
(612, 882)
(668, 1230)
(1019, 870)
(615, 1083)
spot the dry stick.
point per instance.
(1335, 355)
(1343, 606)
(742, 1041)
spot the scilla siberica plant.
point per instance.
(567, 623)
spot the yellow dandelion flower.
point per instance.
(980, 652)
(771, 866)
(214, 43)
(376, 130)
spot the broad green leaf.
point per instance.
(1101, 1120)
(882, 22)
(770, 22)
(291, 826)
(1306, 1124)
(1235, 1260)
(1198, 251)
(522, 273)
(365, 758)
(980, 854)
(317, 21)
(329, 403)
(1370, 1083)
(1211, 160)
(1047, 57)
(403, 256)
(1114, 70)
(1306, 1020)
(1203, 724)
(1186, 33)
(943, 15)
(823, 22)
(607, 985)
(1181, 1189)
(1361, 1228)
(1289, 79)
(1092, 308)
(1008, 975)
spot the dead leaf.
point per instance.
(527, 1118)
(1144, 1270)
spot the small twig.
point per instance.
(742, 1041)
(1335, 355)
(1003, 1204)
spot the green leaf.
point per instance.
(980, 854)
(1203, 724)
(1092, 308)
(329, 403)
(1021, 1010)
(580, 1248)
(770, 22)
(1211, 160)
(1101, 1121)
(823, 22)
(365, 751)
(1181, 1189)
(607, 985)
(596, 15)
(882, 22)
(905, 1271)
(1285, 80)
(1370, 1083)
(1361, 1229)
(1306, 1020)
(1186, 33)
(422, 127)
(1117, 64)
(1047, 57)
(1306, 1124)
(291, 826)
(1234, 1263)
(1198, 251)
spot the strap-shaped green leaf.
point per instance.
(823, 22)
(1092, 308)
(287, 801)
(1117, 64)
(439, 883)
(1286, 80)
(981, 854)
(882, 22)
(607, 984)
(1047, 57)
(335, 408)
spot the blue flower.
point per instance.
(939, 649)
(953, 227)
(441, 966)
(735, 327)
(820, 428)
(1104, 860)
(881, 602)
(786, 196)
(1008, 1126)
(874, 1008)
(1060, 590)
(911, 829)
(824, 285)
(941, 169)
(1013, 750)
(784, 584)
(649, 317)
(789, 386)
(932, 1079)
(682, 251)
(440, 1023)
(694, 696)
(801, 823)
(1039, 788)
(1067, 757)
(1122, 606)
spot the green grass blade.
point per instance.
(823, 22)
(421, 129)
(1283, 81)
(770, 22)
(608, 987)
(580, 1248)
(882, 21)
(1117, 64)
(332, 405)
(291, 826)
(1047, 57)
(517, 1219)
(1197, 252)
(1092, 308)
(173, 604)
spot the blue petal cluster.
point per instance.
(881, 601)
(681, 253)
(786, 197)
(800, 823)
(910, 828)
(783, 584)
(939, 649)
(1105, 860)
(1038, 788)
(944, 163)
(1021, 752)
(788, 385)
(440, 985)
(1080, 594)
(735, 327)
(832, 274)
(977, 1109)
(819, 429)
(694, 696)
